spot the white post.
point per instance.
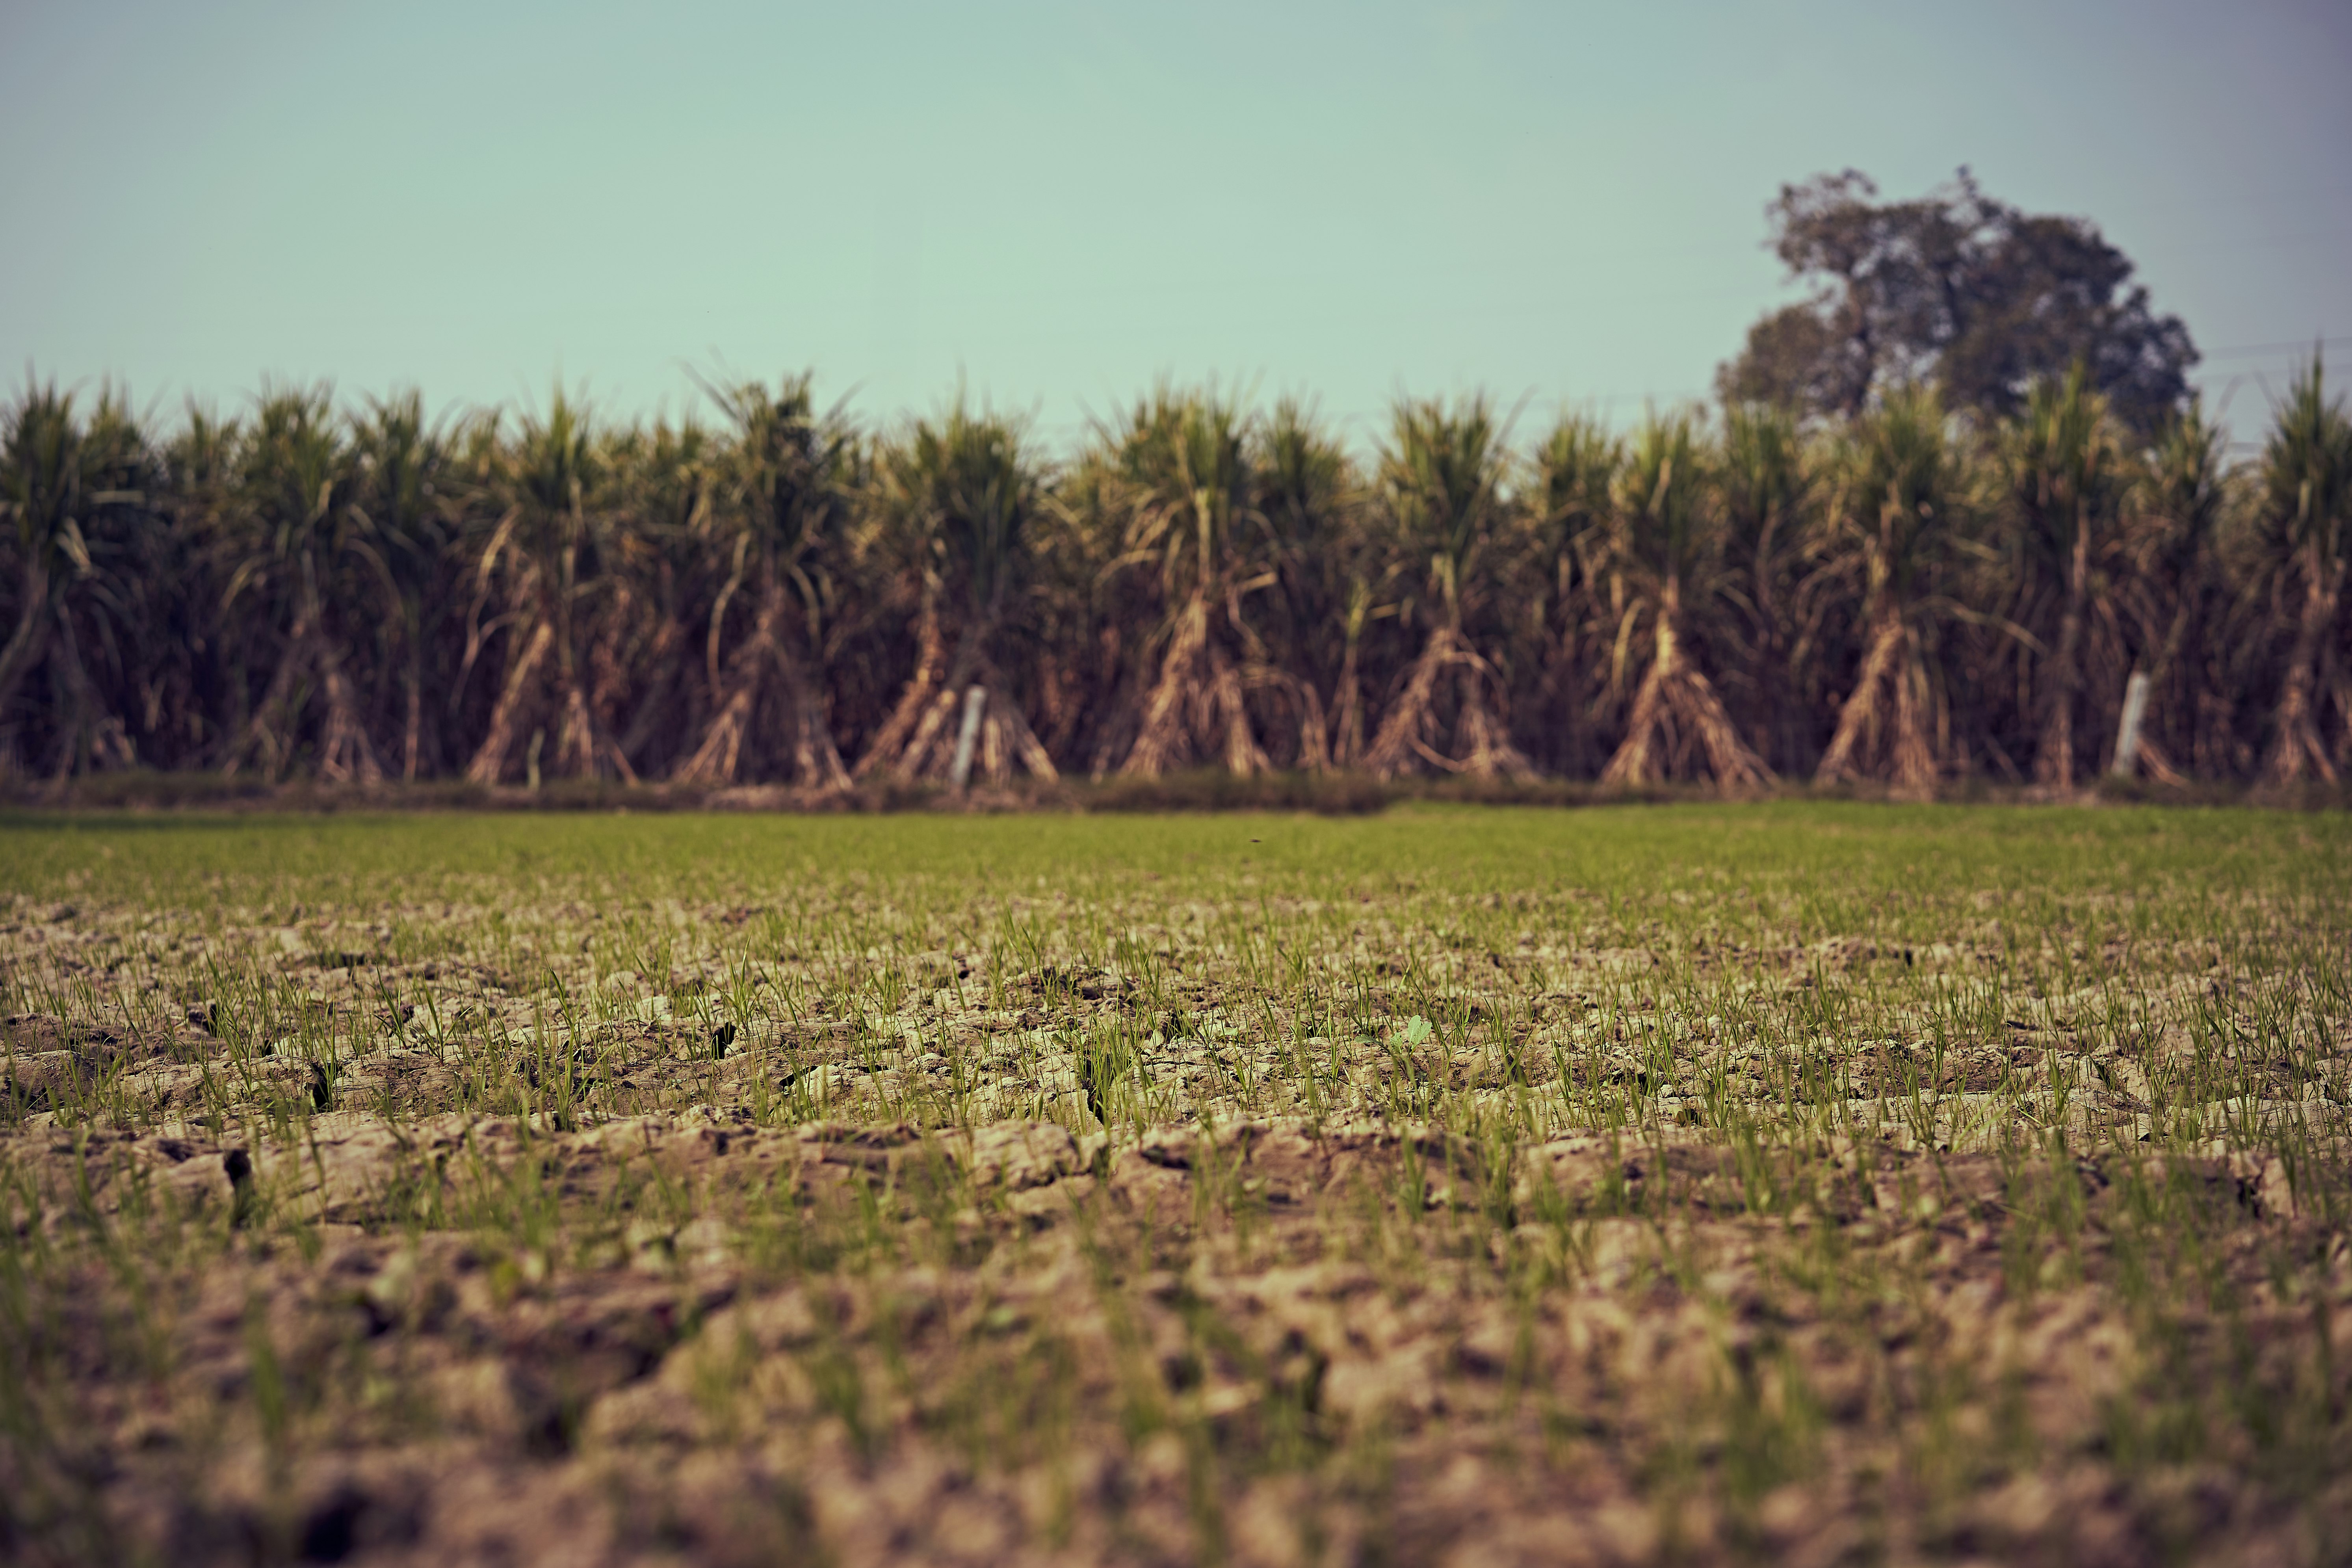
(2127, 731)
(975, 699)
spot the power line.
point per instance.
(2255, 351)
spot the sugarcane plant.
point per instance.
(305, 571)
(2065, 566)
(2179, 597)
(1575, 474)
(1323, 579)
(960, 492)
(1897, 508)
(347, 591)
(1768, 486)
(1441, 476)
(1665, 566)
(403, 509)
(540, 566)
(67, 486)
(2304, 538)
(1181, 489)
(778, 507)
(659, 580)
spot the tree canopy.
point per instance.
(1958, 289)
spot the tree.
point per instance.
(1957, 288)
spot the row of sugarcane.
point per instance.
(771, 594)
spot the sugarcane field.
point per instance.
(1636, 1183)
(1290, 786)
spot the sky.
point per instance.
(1054, 205)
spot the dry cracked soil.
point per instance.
(1168, 1216)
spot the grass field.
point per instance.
(1797, 1183)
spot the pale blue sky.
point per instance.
(1062, 201)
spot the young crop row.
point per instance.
(783, 596)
